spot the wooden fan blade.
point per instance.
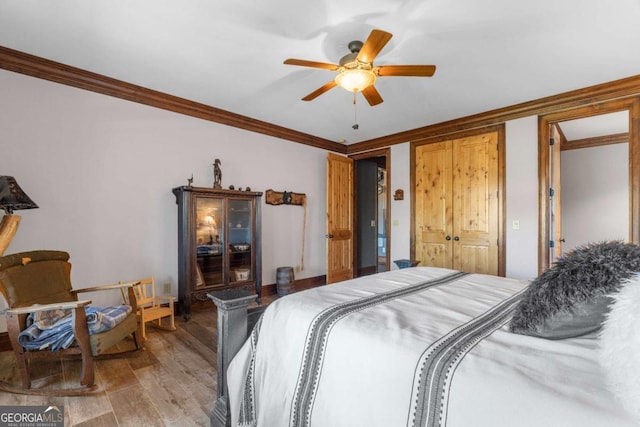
(372, 95)
(313, 64)
(407, 70)
(316, 93)
(374, 44)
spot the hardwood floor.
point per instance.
(172, 382)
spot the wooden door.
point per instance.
(433, 204)
(456, 204)
(339, 218)
(475, 190)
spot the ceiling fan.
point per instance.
(356, 72)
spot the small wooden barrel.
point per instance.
(284, 280)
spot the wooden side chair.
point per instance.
(39, 282)
(151, 307)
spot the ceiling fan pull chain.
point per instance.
(355, 113)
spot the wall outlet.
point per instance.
(167, 288)
(516, 224)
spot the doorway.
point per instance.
(588, 167)
(594, 173)
(372, 212)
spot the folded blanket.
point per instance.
(53, 329)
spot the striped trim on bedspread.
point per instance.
(247, 408)
(318, 334)
(438, 363)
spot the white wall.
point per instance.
(400, 209)
(522, 197)
(595, 194)
(102, 169)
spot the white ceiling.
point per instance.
(228, 53)
(602, 125)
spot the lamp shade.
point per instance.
(12, 197)
(355, 79)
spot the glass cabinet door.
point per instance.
(209, 241)
(240, 240)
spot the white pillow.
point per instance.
(620, 345)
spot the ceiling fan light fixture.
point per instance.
(355, 79)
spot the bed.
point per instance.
(415, 347)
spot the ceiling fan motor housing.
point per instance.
(355, 46)
(348, 59)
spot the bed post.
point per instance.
(232, 333)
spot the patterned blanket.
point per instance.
(53, 329)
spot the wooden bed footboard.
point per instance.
(235, 322)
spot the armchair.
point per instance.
(40, 281)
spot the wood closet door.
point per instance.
(433, 205)
(456, 204)
(475, 213)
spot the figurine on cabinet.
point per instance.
(217, 174)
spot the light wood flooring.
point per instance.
(172, 382)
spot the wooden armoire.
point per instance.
(457, 202)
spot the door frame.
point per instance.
(386, 153)
(555, 181)
(632, 105)
(500, 130)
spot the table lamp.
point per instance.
(11, 198)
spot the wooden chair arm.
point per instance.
(46, 307)
(106, 287)
(167, 298)
(128, 286)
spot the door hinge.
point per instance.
(552, 244)
(552, 141)
(551, 192)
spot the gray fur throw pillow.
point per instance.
(572, 297)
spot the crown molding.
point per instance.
(595, 141)
(622, 88)
(23, 63)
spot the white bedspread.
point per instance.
(413, 347)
